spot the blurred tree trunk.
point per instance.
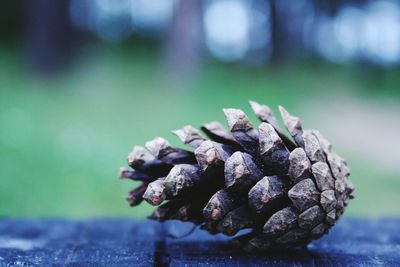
(183, 40)
(276, 34)
(48, 34)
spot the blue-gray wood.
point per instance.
(100, 242)
(123, 242)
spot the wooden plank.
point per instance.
(202, 249)
(102, 242)
(353, 242)
(123, 242)
(359, 242)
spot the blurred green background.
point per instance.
(65, 133)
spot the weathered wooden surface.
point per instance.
(123, 242)
(103, 242)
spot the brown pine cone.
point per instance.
(288, 193)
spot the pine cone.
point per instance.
(288, 193)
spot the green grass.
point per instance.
(63, 139)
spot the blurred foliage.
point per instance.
(62, 139)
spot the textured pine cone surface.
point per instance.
(287, 192)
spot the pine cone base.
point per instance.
(288, 190)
